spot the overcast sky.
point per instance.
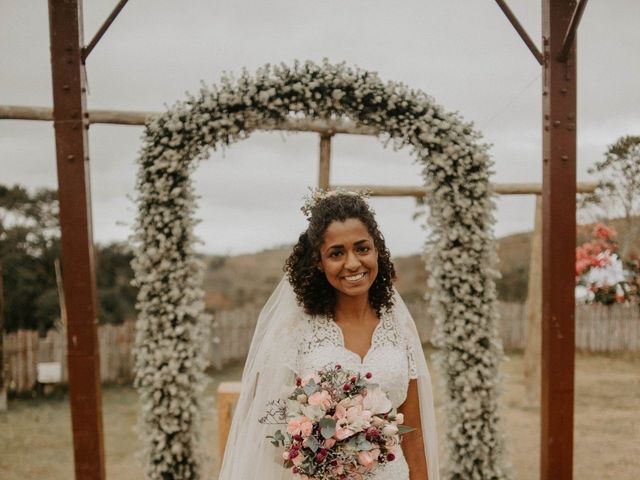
(462, 52)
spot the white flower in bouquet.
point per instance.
(377, 401)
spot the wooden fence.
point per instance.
(598, 330)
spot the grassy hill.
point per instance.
(233, 281)
(238, 280)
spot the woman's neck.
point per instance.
(353, 309)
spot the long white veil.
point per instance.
(270, 367)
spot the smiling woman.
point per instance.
(337, 308)
(348, 257)
(341, 242)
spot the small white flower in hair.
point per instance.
(318, 194)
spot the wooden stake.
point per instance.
(63, 308)
(228, 394)
(3, 383)
(325, 161)
(534, 314)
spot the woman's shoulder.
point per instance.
(303, 323)
(397, 324)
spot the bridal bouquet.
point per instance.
(338, 425)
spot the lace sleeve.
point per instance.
(300, 333)
(405, 340)
(411, 359)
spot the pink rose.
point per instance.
(322, 399)
(300, 425)
(342, 431)
(306, 428)
(367, 459)
(293, 426)
(341, 412)
(329, 442)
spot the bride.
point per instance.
(335, 305)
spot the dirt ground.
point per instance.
(35, 434)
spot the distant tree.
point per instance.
(512, 284)
(618, 191)
(29, 246)
(113, 277)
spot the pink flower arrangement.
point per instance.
(600, 274)
(338, 426)
(604, 232)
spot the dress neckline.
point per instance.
(362, 360)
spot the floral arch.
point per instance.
(459, 251)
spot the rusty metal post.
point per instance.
(78, 274)
(325, 161)
(558, 244)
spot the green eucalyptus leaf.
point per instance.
(402, 429)
(327, 427)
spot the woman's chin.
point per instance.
(355, 289)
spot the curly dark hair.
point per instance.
(313, 291)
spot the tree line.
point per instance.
(30, 245)
(29, 248)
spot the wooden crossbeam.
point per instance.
(129, 117)
(499, 188)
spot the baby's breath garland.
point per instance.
(459, 253)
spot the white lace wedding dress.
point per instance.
(390, 359)
(286, 343)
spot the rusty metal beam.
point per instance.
(78, 270)
(499, 188)
(570, 36)
(521, 31)
(558, 244)
(102, 30)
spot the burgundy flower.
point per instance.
(372, 433)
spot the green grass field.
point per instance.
(35, 435)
